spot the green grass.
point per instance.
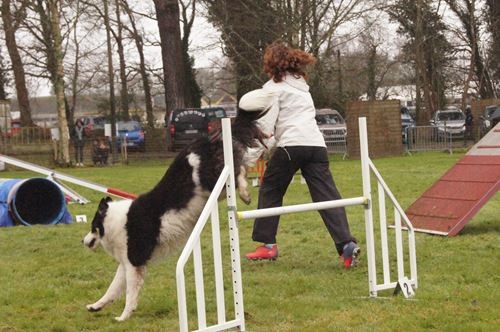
(47, 276)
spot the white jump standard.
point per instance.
(403, 283)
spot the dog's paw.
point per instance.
(123, 317)
(246, 198)
(93, 308)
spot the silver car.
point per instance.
(332, 125)
(491, 113)
(449, 122)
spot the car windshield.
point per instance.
(328, 119)
(490, 110)
(450, 116)
(217, 114)
(128, 126)
(99, 121)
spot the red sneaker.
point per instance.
(350, 256)
(263, 252)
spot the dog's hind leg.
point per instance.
(135, 279)
(114, 291)
(243, 186)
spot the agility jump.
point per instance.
(227, 181)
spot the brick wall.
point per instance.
(383, 119)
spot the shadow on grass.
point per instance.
(482, 228)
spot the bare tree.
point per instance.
(167, 15)
(124, 105)
(111, 78)
(58, 80)
(77, 56)
(11, 21)
(137, 37)
(47, 31)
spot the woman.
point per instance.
(300, 145)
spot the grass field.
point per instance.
(47, 276)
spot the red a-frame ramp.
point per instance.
(453, 200)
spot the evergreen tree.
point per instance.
(431, 43)
(247, 27)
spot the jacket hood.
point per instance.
(290, 80)
(298, 83)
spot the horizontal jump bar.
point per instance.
(276, 211)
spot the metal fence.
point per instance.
(26, 135)
(36, 144)
(440, 138)
(427, 138)
(336, 141)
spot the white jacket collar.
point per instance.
(298, 83)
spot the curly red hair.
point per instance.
(279, 59)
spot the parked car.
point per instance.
(332, 125)
(449, 121)
(188, 124)
(495, 118)
(490, 112)
(132, 134)
(92, 122)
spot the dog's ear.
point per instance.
(98, 221)
(103, 206)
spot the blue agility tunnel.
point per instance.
(31, 202)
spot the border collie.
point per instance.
(160, 221)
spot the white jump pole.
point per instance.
(234, 241)
(370, 239)
(301, 208)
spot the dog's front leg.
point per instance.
(243, 186)
(135, 279)
(114, 291)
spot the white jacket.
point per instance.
(296, 124)
(259, 100)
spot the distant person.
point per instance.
(79, 141)
(100, 152)
(469, 121)
(300, 145)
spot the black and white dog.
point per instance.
(160, 221)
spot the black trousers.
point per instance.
(79, 151)
(314, 165)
